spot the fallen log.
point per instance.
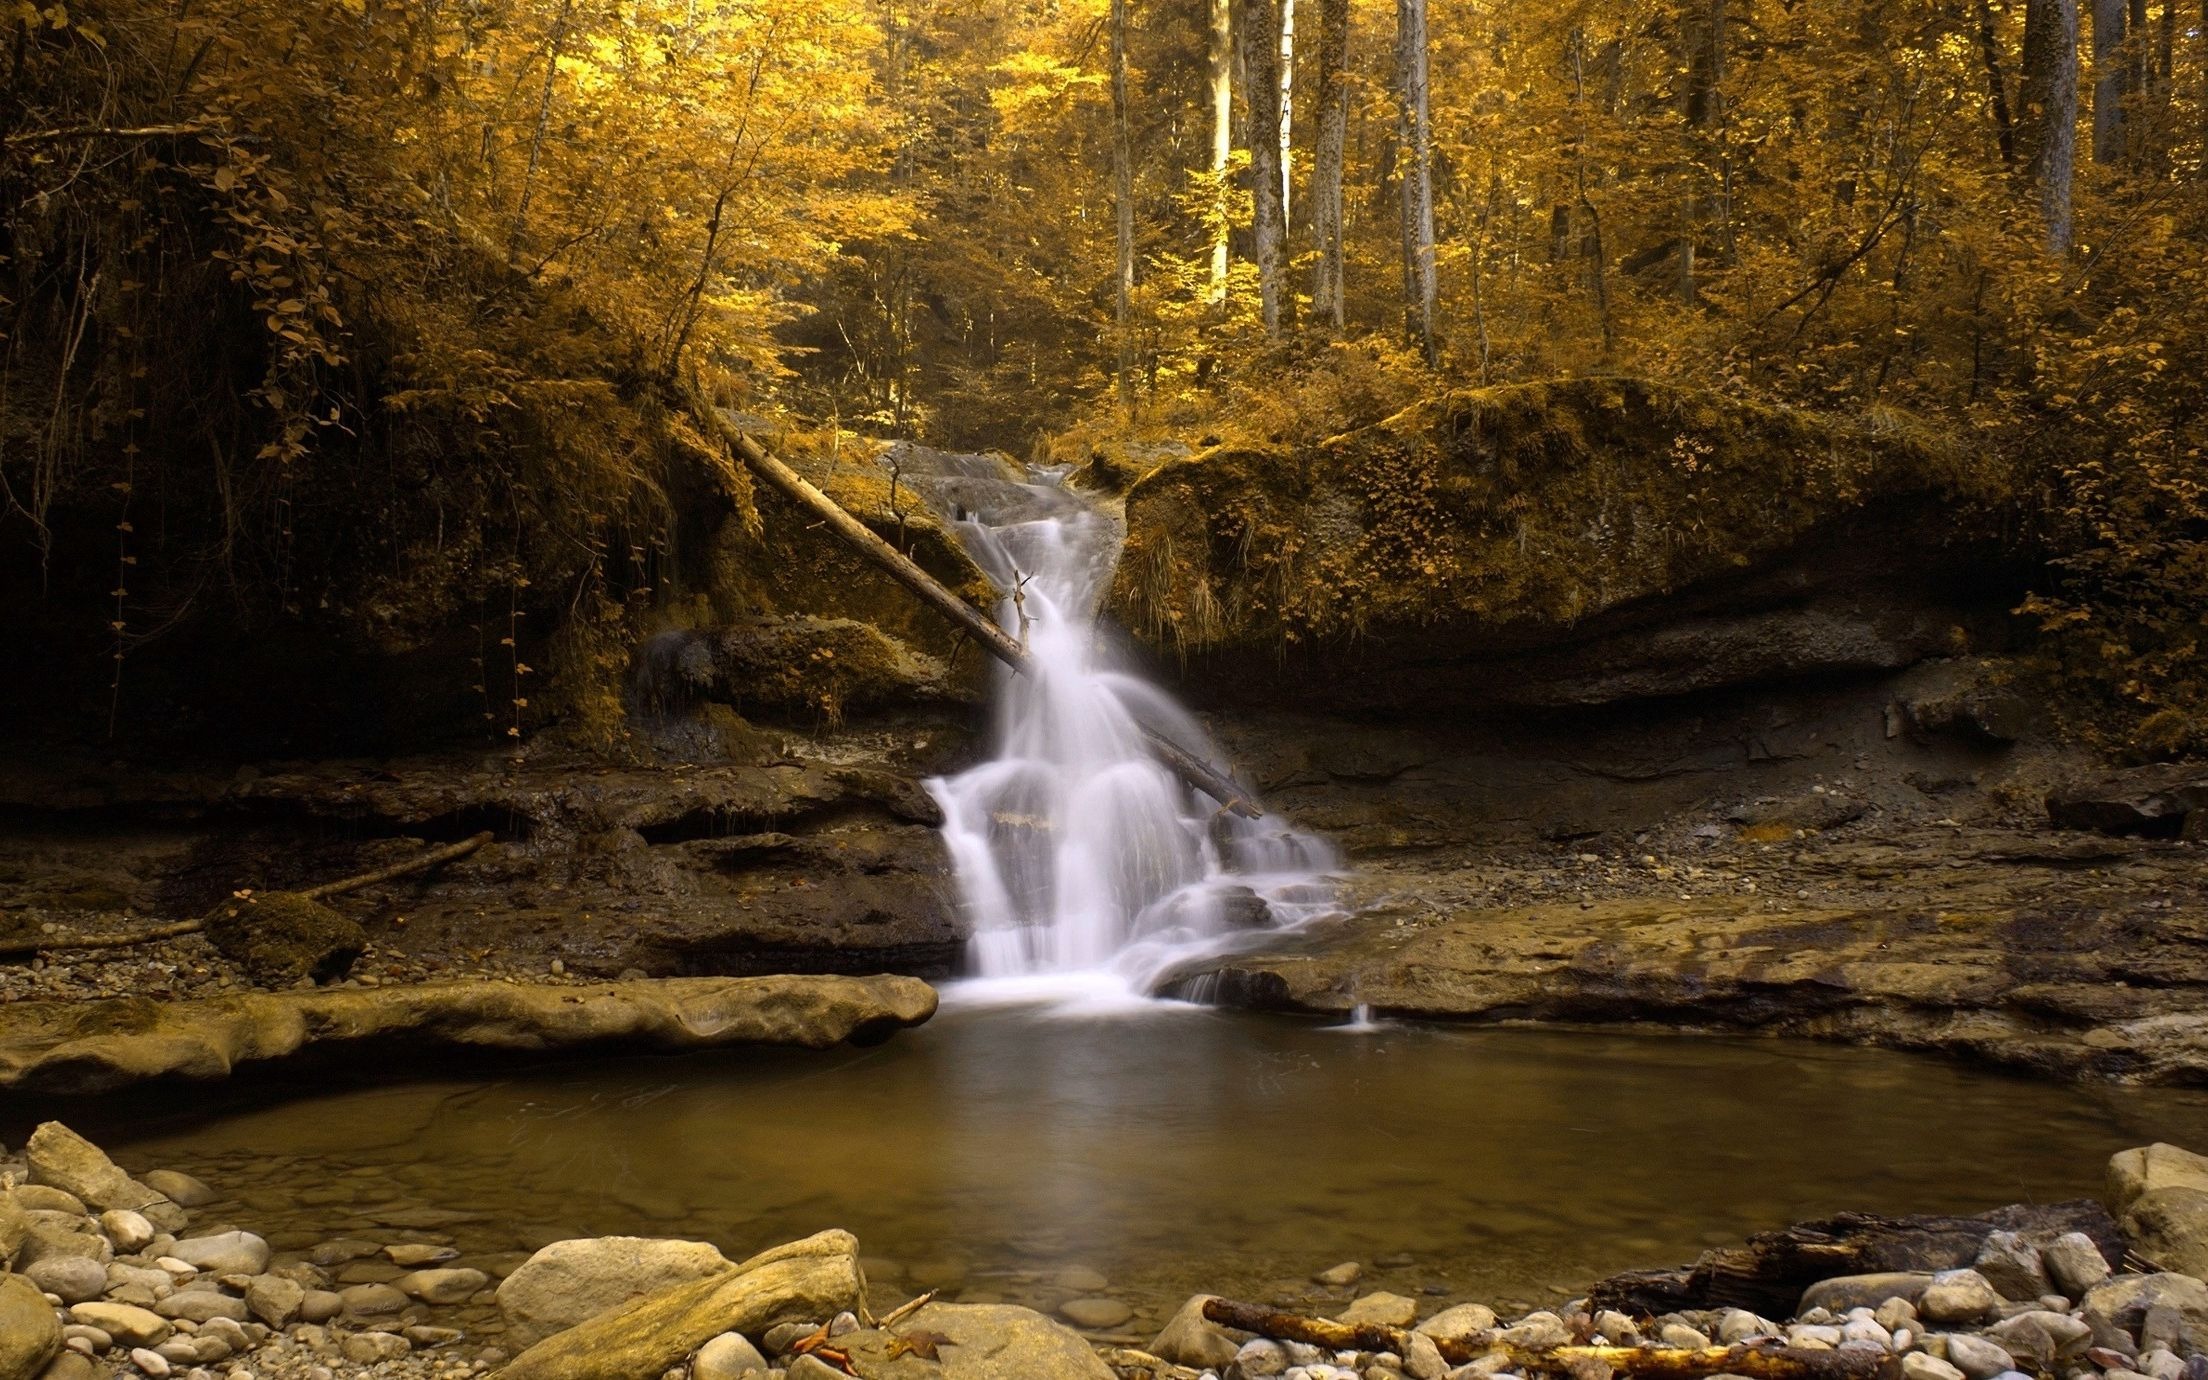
(995, 640)
(420, 862)
(1768, 1361)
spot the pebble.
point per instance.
(152, 1363)
(1976, 1357)
(1095, 1314)
(726, 1357)
(1340, 1276)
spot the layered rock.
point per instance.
(95, 1046)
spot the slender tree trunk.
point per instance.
(2049, 127)
(1123, 210)
(1287, 108)
(1416, 153)
(2111, 80)
(1259, 38)
(554, 45)
(1222, 140)
(1997, 84)
(1328, 294)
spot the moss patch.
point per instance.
(280, 937)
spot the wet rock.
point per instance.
(230, 1253)
(201, 1305)
(81, 1047)
(1976, 1357)
(1537, 1332)
(1388, 1310)
(69, 1365)
(1001, 1342)
(2134, 1173)
(30, 1335)
(180, 1188)
(730, 1356)
(369, 1348)
(1464, 1320)
(415, 1255)
(1190, 1339)
(811, 1368)
(43, 1198)
(127, 1324)
(569, 1281)
(2169, 1226)
(803, 1281)
(1422, 1360)
(130, 1231)
(2012, 1266)
(371, 1300)
(1095, 1314)
(70, 1278)
(62, 1159)
(1340, 1276)
(276, 1301)
(320, 1305)
(2074, 1263)
(281, 937)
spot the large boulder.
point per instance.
(2169, 1226)
(2161, 801)
(570, 1281)
(805, 1281)
(30, 1334)
(2134, 1173)
(83, 1047)
(60, 1158)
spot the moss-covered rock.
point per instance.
(794, 668)
(1509, 518)
(281, 936)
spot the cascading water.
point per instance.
(1082, 861)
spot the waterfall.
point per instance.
(1080, 860)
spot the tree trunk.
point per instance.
(1416, 154)
(2049, 127)
(1997, 84)
(1328, 292)
(554, 46)
(2111, 80)
(1259, 39)
(1222, 140)
(1123, 211)
(1287, 109)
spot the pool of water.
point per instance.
(1171, 1150)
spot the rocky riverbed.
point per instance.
(117, 1274)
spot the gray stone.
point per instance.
(1465, 1320)
(570, 1281)
(1814, 1335)
(1959, 1296)
(371, 1300)
(1843, 1292)
(70, 1278)
(371, 1347)
(320, 1305)
(179, 1188)
(62, 1159)
(229, 1253)
(2164, 1326)
(49, 1238)
(30, 1334)
(2169, 1226)
(150, 1362)
(1095, 1314)
(2132, 1174)
(198, 1305)
(1919, 1365)
(2122, 1302)
(1340, 1276)
(1261, 1358)
(1536, 1332)
(2074, 1263)
(2012, 1266)
(1388, 1310)
(128, 1324)
(1734, 1326)
(93, 1340)
(275, 1300)
(729, 1356)
(442, 1286)
(1422, 1359)
(1190, 1339)
(1894, 1314)
(1681, 1335)
(1976, 1357)
(130, 1231)
(1000, 1342)
(812, 1368)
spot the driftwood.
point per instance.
(1767, 1274)
(907, 572)
(1768, 1361)
(418, 863)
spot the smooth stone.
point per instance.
(1388, 1310)
(130, 1231)
(150, 1362)
(1462, 1321)
(1422, 1359)
(570, 1281)
(342, 1251)
(1193, 1340)
(372, 1300)
(1866, 1330)
(48, 1239)
(30, 1334)
(812, 1368)
(1976, 1357)
(231, 1252)
(1259, 1359)
(1096, 1314)
(2134, 1173)
(95, 1340)
(179, 1188)
(2074, 1263)
(2012, 1266)
(414, 1255)
(275, 1300)
(320, 1305)
(38, 1197)
(69, 1365)
(370, 1347)
(1081, 1280)
(1920, 1365)
(1734, 1326)
(1819, 1334)
(1959, 1296)
(730, 1356)
(1536, 1332)
(128, 1324)
(443, 1286)
(199, 1305)
(60, 1158)
(423, 1335)
(70, 1278)
(1843, 1292)
(1894, 1314)
(1340, 1276)
(1681, 1335)
(1001, 1342)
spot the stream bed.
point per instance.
(1005, 1153)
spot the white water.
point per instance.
(1086, 869)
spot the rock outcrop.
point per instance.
(85, 1047)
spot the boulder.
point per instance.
(2074, 1263)
(276, 1301)
(2169, 1226)
(2012, 1266)
(569, 1281)
(30, 1334)
(70, 1278)
(226, 1253)
(60, 1158)
(2137, 1172)
(2156, 801)
(281, 937)
(2123, 1302)
(88, 1047)
(127, 1324)
(1462, 1321)
(1193, 1340)
(978, 1342)
(805, 1281)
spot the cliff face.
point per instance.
(1585, 542)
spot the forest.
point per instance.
(356, 322)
